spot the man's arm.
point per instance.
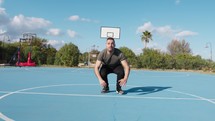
(96, 70)
(127, 72)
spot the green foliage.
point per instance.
(139, 62)
(152, 59)
(68, 55)
(51, 52)
(182, 61)
(131, 57)
(83, 57)
(170, 62)
(6, 52)
(37, 55)
(41, 52)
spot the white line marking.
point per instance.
(105, 96)
(26, 89)
(89, 95)
(10, 93)
(192, 95)
(5, 118)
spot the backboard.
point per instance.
(113, 32)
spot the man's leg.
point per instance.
(119, 71)
(104, 73)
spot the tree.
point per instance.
(51, 52)
(68, 55)
(41, 52)
(152, 59)
(83, 57)
(7, 52)
(131, 57)
(179, 47)
(146, 36)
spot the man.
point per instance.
(112, 60)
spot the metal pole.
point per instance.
(211, 58)
(88, 63)
(211, 52)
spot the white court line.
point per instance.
(104, 96)
(26, 89)
(5, 118)
(192, 95)
(89, 95)
(85, 95)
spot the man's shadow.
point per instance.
(145, 90)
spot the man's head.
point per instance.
(110, 44)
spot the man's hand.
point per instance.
(103, 83)
(122, 82)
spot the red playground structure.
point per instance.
(29, 37)
(28, 63)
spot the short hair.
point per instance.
(111, 38)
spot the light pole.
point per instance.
(210, 49)
(92, 48)
(88, 62)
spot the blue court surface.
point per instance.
(73, 94)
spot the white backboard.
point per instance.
(113, 32)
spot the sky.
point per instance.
(80, 21)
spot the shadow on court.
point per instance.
(145, 90)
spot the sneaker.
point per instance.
(120, 91)
(105, 90)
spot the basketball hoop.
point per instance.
(113, 32)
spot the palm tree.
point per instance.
(146, 37)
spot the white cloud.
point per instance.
(74, 18)
(71, 33)
(165, 31)
(54, 32)
(146, 26)
(183, 34)
(29, 22)
(85, 19)
(20, 24)
(56, 44)
(78, 18)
